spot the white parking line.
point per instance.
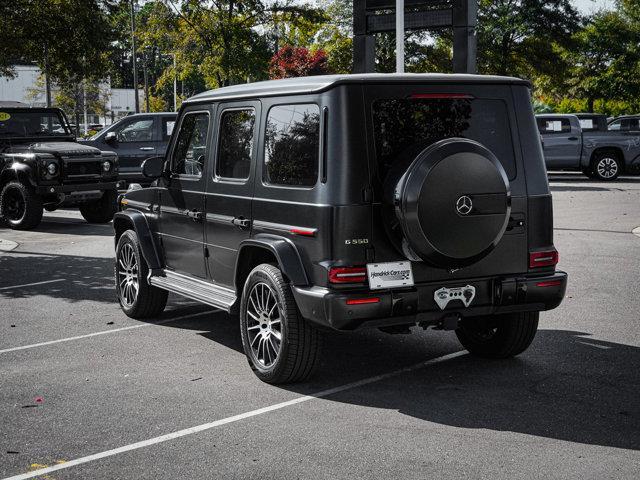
(235, 418)
(602, 347)
(32, 284)
(104, 332)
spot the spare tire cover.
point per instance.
(452, 203)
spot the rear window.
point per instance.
(553, 125)
(401, 124)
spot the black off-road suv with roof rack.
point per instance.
(340, 202)
(42, 166)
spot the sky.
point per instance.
(589, 6)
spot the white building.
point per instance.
(27, 87)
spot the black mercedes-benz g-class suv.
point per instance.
(42, 166)
(339, 202)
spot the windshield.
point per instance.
(32, 124)
(403, 123)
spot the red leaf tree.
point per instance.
(297, 62)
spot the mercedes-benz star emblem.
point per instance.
(464, 205)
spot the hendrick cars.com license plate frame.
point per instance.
(389, 275)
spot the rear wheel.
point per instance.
(280, 345)
(137, 298)
(500, 336)
(606, 166)
(20, 206)
(101, 210)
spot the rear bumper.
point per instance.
(71, 188)
(526, 293)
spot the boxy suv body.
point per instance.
(43, 167)
(339, 202)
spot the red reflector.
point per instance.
(362, 301)
(546, 258)
(442, 96)
(307, 232)
(348, 275)
(550, 283)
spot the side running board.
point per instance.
(194, 288)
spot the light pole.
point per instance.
(175, 83)
(133, 55)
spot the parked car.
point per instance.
(628, 124)
(341, 202)
(134, 139)
(42, 166)
(599, 154)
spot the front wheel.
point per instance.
(20, 206)
(280, 345)
(101, 210)
(137, 298)
(499, 336)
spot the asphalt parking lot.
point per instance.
(90, 393)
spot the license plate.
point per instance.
(445, 295)
(389, 275)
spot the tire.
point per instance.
(606, 166)
(20, 207)
(101, 210)
(292, 358)
(137, 298)
(501, 336)
(588, 172)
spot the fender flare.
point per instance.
(18, 171)
(137, 220)
(286, 254)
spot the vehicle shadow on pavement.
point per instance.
(78, 277)
(566, 386)
(74, 226)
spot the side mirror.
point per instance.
(111, 137)
(153, 167)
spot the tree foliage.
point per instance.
(297, 62)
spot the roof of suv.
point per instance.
(317, 84)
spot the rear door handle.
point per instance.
(242, 223)
(146, 149)
(573, 139)
(194, 215)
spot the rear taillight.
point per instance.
(544, 258)
(348, 275)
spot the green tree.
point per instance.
(604, 59)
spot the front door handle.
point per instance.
(573, 139)
(194, 215)
(242, 223)
(146, 149)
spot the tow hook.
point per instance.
(449, 322)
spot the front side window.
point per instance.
(292, 144)
(191, 145)
(410, 124)
(236, 143)
(136, 131)
(625, 125)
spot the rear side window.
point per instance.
(191, 146)
(292, 145)
(554, 125)
(167, 128)
(408, 124)
(236, 143)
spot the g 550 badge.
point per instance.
(357, 241)
(4, 116)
